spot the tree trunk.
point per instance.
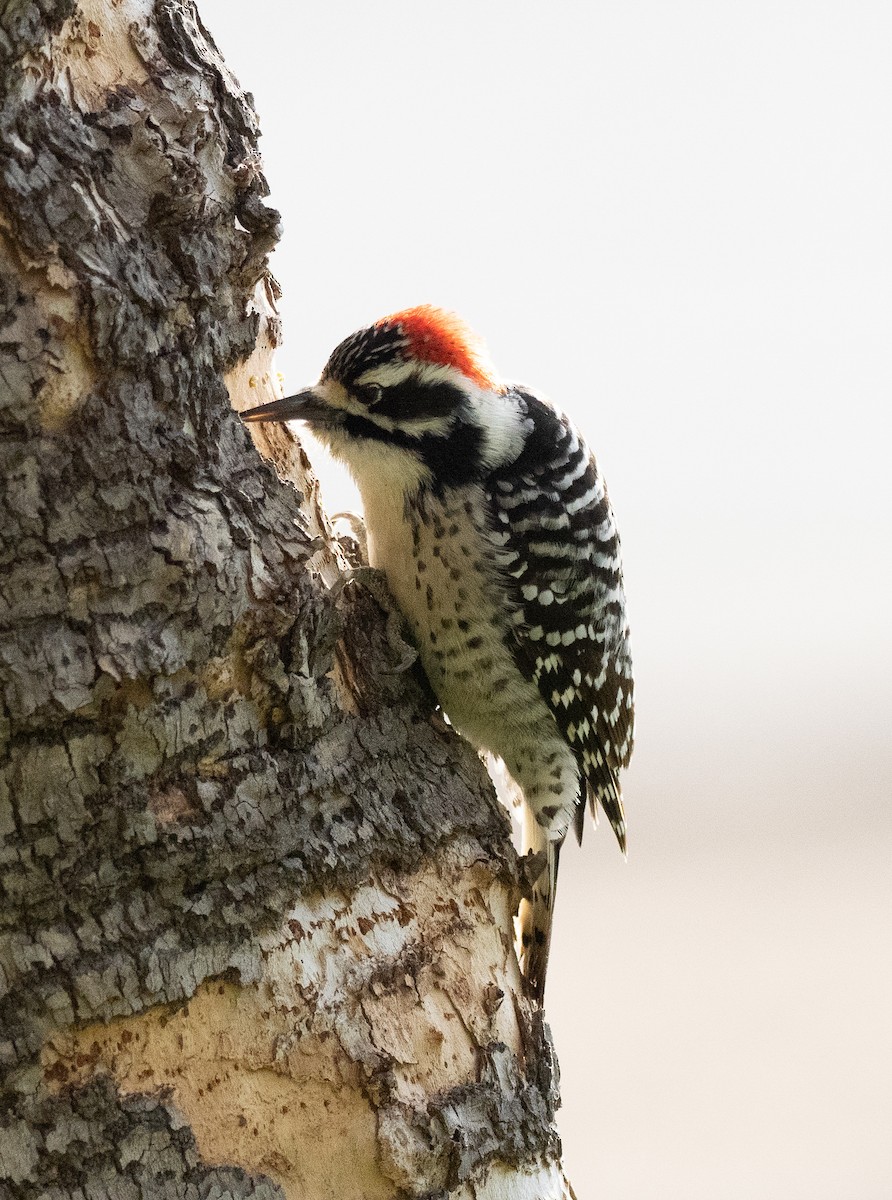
(256, 925)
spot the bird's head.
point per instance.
(410, 400)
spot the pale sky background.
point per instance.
(676, 218)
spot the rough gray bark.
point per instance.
(254, 904)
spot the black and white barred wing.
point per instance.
(563, 556)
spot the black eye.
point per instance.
(369, 393)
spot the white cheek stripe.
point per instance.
(390, 374)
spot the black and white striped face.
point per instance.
(400, 420)
(424, 419)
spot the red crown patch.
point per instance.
(439, 336)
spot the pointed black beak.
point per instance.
(307, 406)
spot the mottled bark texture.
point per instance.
(255, 936)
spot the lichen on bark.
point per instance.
(242, 871)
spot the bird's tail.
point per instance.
(535, 915)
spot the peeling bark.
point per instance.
(255, 934)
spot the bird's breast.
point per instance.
(446, 576)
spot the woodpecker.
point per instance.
(486, 512)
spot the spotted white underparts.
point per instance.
(447, 575)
